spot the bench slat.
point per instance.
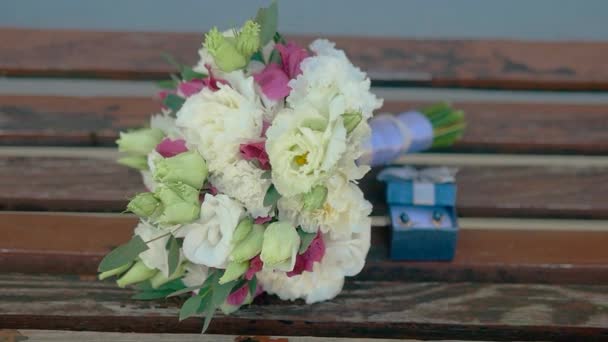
(89, 184)
(363, 309)
(457, 63)
(75, 243)
(492, 126)
(90, 336)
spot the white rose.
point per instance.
(345, 210)
(216, 123)
(328, 74)
(303, 147)
(208, 241)
(343, 257)
(156, 256)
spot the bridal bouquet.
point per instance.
(252, 170)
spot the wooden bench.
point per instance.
(531, 263)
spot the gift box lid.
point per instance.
(429, 186)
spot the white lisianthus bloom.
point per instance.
(208, 241)
(348, 165)
(329, 74)
(195, 275)
(345, 210)
(304, 148)
(243, 181)
(155, 257)
(343, 257)
(216, 123)
(166, 123)
(149, 181)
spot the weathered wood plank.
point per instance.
(75, 243)
(89, 184)
(492, 126)
(90, 336)
(459, 63)
(363, 310)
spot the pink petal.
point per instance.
(169, 148)
(237, 297)
(273, 82)
(211, 82)
(256, 151)
(255, 265)
(189, 88)
(262, 220)
(306, 260)
(292, 56)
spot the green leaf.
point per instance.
(173, 285)
(305, 240)
(151, 295)
(275, 57)
(278, 38)
(184, 291)
(268, 20)
(173, 102)
(257, 56)
(123, 254)
(272, 196)
(173, 254)
(253, 284)
(267, 174)
(190, 307)
(188, 74)
(208, 317)
(167, 84)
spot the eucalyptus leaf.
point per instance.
(257, 56)
(173, 254)
(253, 285)
(305, 240)
(167, 84)
(272, 196)
(173, 102)
(275, 57)
(184, 291)
(190, 307)
(188, 74)
(173, 285)
(278, 38)
(171, 60)
(268, 19)
(123, 254)
(208, 317)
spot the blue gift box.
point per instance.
(422, 210)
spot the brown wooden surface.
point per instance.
(75, 243)
(93, 336)
(492, 126)
(461, 63)
(81, 184)
(363, 309)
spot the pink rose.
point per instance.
(274, 78)
(255, 265)
(169, 148)
(256, 151)
(306, 260)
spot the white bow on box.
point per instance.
(423, 180)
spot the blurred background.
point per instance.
(520, 19)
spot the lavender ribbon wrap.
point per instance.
(393, 135)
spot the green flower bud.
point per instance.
(136, 162)
(188, 167)
(242, 230)
(140, 141)
(315, 198)
(281, 244)
(138, 273)
(115, 272)
(180, 203)
(234, 271)
(248, 40)
(250, 246)
(228, 309)
(144, 205)
(224, 51)
(351, 121)
(160, 279)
